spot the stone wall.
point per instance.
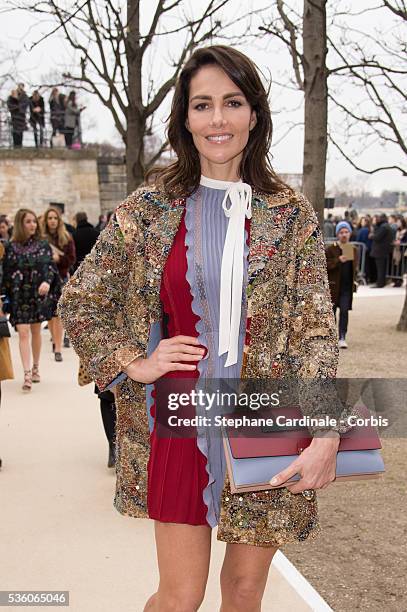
(33, 178)
(112, 182)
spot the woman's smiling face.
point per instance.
(219, 119)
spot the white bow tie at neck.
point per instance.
(231, 277)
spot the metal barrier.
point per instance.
(6, 132)
(396, 263)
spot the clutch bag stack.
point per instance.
(253, 461)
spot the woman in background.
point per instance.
(57, 111)
(37, 117)
(64, 256)
(17, 107)
(363, 230)
(5, 229)
(6, 366)
(29, 281)
(400, 239)
(72, 114)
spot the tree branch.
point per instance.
(399, 10)
(157, 155)
(364, 170)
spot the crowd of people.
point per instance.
(64, 116)
(381, 240)
(37, 256)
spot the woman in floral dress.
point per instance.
(64, 256)
(32, 285)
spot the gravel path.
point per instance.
(359, 561)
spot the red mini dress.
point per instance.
(176, 468)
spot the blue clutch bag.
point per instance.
(253, 461)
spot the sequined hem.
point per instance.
(126, 509)
(267, 518)
(223, 535)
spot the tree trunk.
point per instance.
(402, 324)
(316, 103)
(136, 122)
(134, 149)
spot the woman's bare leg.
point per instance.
(23, 331)
(36, 342)
(57, 332)
(243, 577)
(50, 325)
(183, 553)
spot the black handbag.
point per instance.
(4, 328)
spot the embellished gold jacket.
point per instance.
(110, 304)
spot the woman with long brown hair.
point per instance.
(29, 281)
(63, 255)
(216, 271)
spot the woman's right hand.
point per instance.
(166, 358)
(43, 289)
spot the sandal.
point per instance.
(27, 380)
(35, 374)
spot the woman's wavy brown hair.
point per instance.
(62, 236)
(181, 178)
(19, 233)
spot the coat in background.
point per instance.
(333, 252)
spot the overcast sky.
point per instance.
(19, 31)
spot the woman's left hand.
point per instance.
(316, 465)
(43, 289)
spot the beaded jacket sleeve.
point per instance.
(94, 308)
(313, 341)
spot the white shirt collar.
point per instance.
(216, 184)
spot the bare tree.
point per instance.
(8, 75)
(309, 64)
(381, 75)
(378, 71)
(399, 8)
(315, 102)
(113, 56)
(373, 116)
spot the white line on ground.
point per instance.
(299, 583)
